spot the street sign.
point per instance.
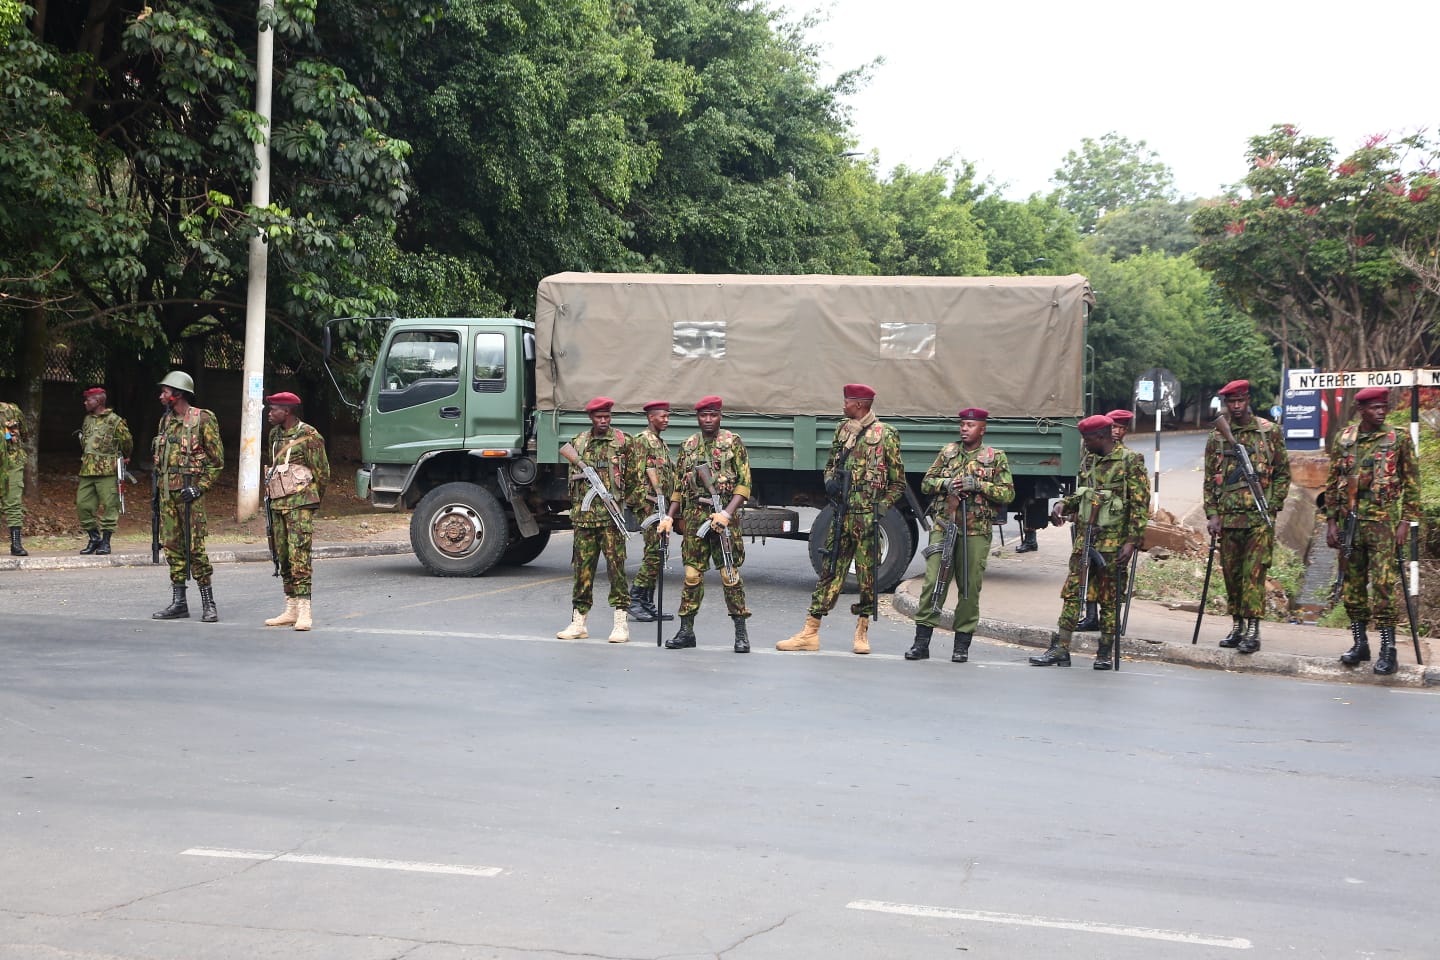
(1360, 379)
(1145, 391)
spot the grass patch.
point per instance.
(1180, 579)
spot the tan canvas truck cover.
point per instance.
(786, 345)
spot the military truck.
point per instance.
(462, 420)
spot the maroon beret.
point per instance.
(973, 413)
(1096, 424)
(1236, 388)
(95, 392)
(1372, 394)
(286, 399)
(656, 405)
(599, 405)
(1122, 417)
(858, 391)
(705, 403)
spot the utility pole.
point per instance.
(252, 403)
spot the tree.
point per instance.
(1313, 252)
(1161, 225)
(1108, 175)
(1032, 236)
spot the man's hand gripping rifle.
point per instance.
(597, 488)
(728, 574)
(1246, 469)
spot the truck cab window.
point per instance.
(488, 375)
(421, 366)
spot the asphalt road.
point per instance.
(430, 775)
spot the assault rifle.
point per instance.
(946, 549)
(1246, 469)
(155, 517)
(188, 480)
(1089, 556)
(728, 574)
(1352, 519)
(122, 477)
(597, 488)
(270, 524)
(660, 616)
(838, 516)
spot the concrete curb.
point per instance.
(906, 602)
(258, 554)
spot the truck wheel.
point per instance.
(458, 530)
(897, 547)
(524, 549)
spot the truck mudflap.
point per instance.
(362, 483)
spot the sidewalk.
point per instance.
(1020, 603)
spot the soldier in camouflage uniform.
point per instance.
(864, 477)
(293, 445)
(729, 464)
(980, 477)
(104, 440)
(1375, 474)
(608, 451)
(1122, 419)
(12, 473)
(1246, 542)
(1117, 495)
(188, 457)
(651, 453)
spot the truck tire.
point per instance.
(459, 530)
(524, 549)
(897, 547)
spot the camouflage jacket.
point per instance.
(188, 447)
(1384, 472)
(651, 450)
(12, 445)
(300, 445)
(870, 451)
(994, 487)
(612, 456)
(1226, 494)
(104, 437)
(729, 464)
(1119, 483)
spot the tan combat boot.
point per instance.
(807, 639)
(302, 613)
(621, 631)
(862, 635)
(576, 630)
(286, 618)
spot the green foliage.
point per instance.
(1033, 236)
(1180, 579)
(1161, 226)
(1110, 174)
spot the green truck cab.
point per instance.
(462, 419)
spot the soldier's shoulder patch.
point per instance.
(619, 435)
(951, 450)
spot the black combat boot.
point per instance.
(92, 544)
(104, 549)
(920, 648)
(1251, 641)
(1386, 664)
(1104, 652)
(1027, 543)
(961, 653)
(1058, 655)
(1092, 617)
(178, 609)
(17, 549)
(685, 636)
(742, 636)
(639, 609)
(1359, 651)
(208, 613)
(654, 611)
(1236, 634)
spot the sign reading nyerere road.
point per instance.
(1360, 379)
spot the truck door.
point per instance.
(493, 412)
(418, 404)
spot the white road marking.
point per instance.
(1416, 693)
(1023, 920)
(411, 866)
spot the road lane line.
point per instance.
(1024, 920)
(410, 866)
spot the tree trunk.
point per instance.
(30, 378)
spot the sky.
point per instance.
(1014, 86)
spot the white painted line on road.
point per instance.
(411, 866)
(1417, 693)
(1023, 920)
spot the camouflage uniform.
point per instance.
(104, 438)
(1246, 542)
(869, 451)
(186, 450)
(595, 533)
(1387, 487)
(292, 517)
(650, 450)
(994, 488)
(1120, 482)
(12, 465)
(729, 464)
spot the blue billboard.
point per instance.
(1303, 418)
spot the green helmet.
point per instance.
(178, 380)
